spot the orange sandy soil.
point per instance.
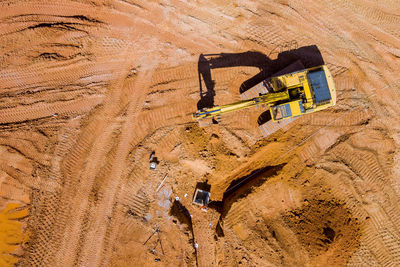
(90, 88)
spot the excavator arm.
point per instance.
(262, 99)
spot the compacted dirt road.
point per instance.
(89, 89)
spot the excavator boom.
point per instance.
(263, 99)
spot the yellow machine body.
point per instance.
(291, 95)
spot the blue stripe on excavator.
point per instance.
(209, 112)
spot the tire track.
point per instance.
(95, 243)
(70, 108)
(380, 235)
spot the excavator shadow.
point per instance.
(264, 117)
(309, 56)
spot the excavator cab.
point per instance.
(309, 90)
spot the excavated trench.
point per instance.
(320, 224)
(182, 214)
(241, 188)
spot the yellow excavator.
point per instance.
(290, 95)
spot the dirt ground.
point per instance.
(90, 88)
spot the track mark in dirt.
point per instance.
(91, 250)
(70, 108)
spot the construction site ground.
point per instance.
(89, 89)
